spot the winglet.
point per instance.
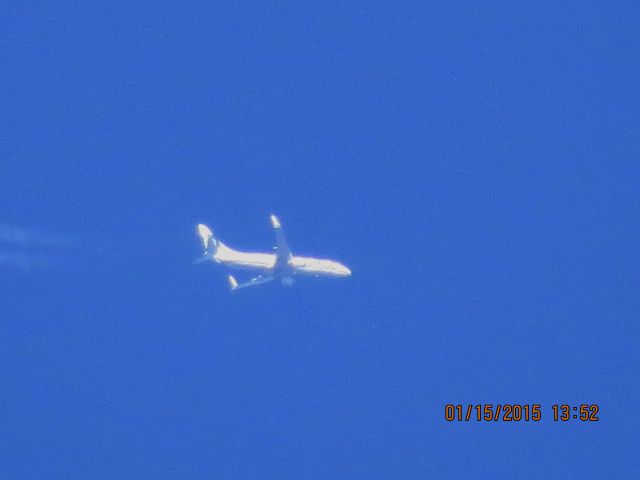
(233, 283)
(275, 223)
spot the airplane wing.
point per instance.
(234, 285)
(283, 253)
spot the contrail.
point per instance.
(28, 261)
(30, 249)
(20, 236)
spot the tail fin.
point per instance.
(209, 242)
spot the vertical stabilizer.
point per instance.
(209, 242)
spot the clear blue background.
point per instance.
(475, 165)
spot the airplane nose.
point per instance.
(345, 271)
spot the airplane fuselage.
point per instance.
(267, 261)
(281, 264)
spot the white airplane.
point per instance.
(279, 265)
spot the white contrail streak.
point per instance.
(20, 236)
(30, 249)
(28, 261)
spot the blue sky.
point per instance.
(476, 166)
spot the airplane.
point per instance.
(280, 265)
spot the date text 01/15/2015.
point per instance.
(514, 412)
